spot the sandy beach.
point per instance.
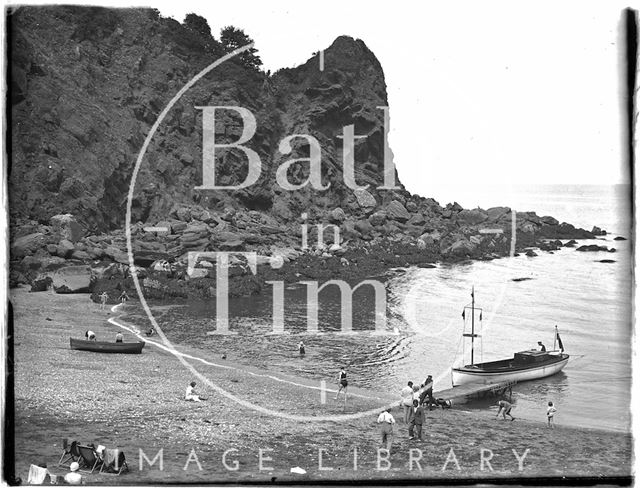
(134, 402)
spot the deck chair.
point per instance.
(38, 475)
(114, 462)
(69, 453)
(89, 459)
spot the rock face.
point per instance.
(83, 101)
(122, 67)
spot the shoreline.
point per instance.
(239, 365)
(136, 403)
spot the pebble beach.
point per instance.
(255, 424)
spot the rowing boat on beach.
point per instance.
(523, 366)
(107, 347)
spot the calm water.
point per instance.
(589, 301)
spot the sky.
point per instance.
(480, 93)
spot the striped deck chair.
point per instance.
(89, 459)
(69, 453)
(114, 462)
(38, 475)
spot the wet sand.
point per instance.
(134, 402)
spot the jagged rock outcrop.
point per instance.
(88, 84)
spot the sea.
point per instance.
(522, 299)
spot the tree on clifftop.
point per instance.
(199, 25)
(232, 38)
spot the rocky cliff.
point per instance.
(86, 86)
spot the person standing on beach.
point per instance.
(301, 348)
(406, 401)
(416, 419)
(551, 410)
(103, 300)
(386, 421)
(123, 296)
(342, 380)
(505, 407)
(427, 394)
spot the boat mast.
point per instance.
(555, 338)
(473, 314)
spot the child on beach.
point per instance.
(505, 407)
(103, 300)
(190, 395)
(551, 410)
(342, 380)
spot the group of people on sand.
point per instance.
(505, 407)
(91, 336)
(104, 297)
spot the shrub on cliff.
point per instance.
(232, 38)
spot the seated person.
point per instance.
(90, 335)
(73, 478)
(119, 337)
(542, 347)
(190, 395)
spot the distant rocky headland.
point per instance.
(86, 85)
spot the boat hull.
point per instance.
(483, 376)
(107, 347)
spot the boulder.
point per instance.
(65, 248)
(416, 219)
(548, 220)
(412, 206)
(431, 236)
(232, 245)
(592, 248)
(378, 218)
(496, 213)
(619, 238)
(67, 227)
(365, 199)
(531, 253)
(26, 245)
(461, 247)
(396, 211)
(80, 255)
(571, 243)
(177, 227)
(197, 228)
(472, 217)
(420, 244)
(597, 231)
(72, 279)
(364, 227)
(95, 252)
(454, 207)
(41, 283)
(183, 214)
(337, 215)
